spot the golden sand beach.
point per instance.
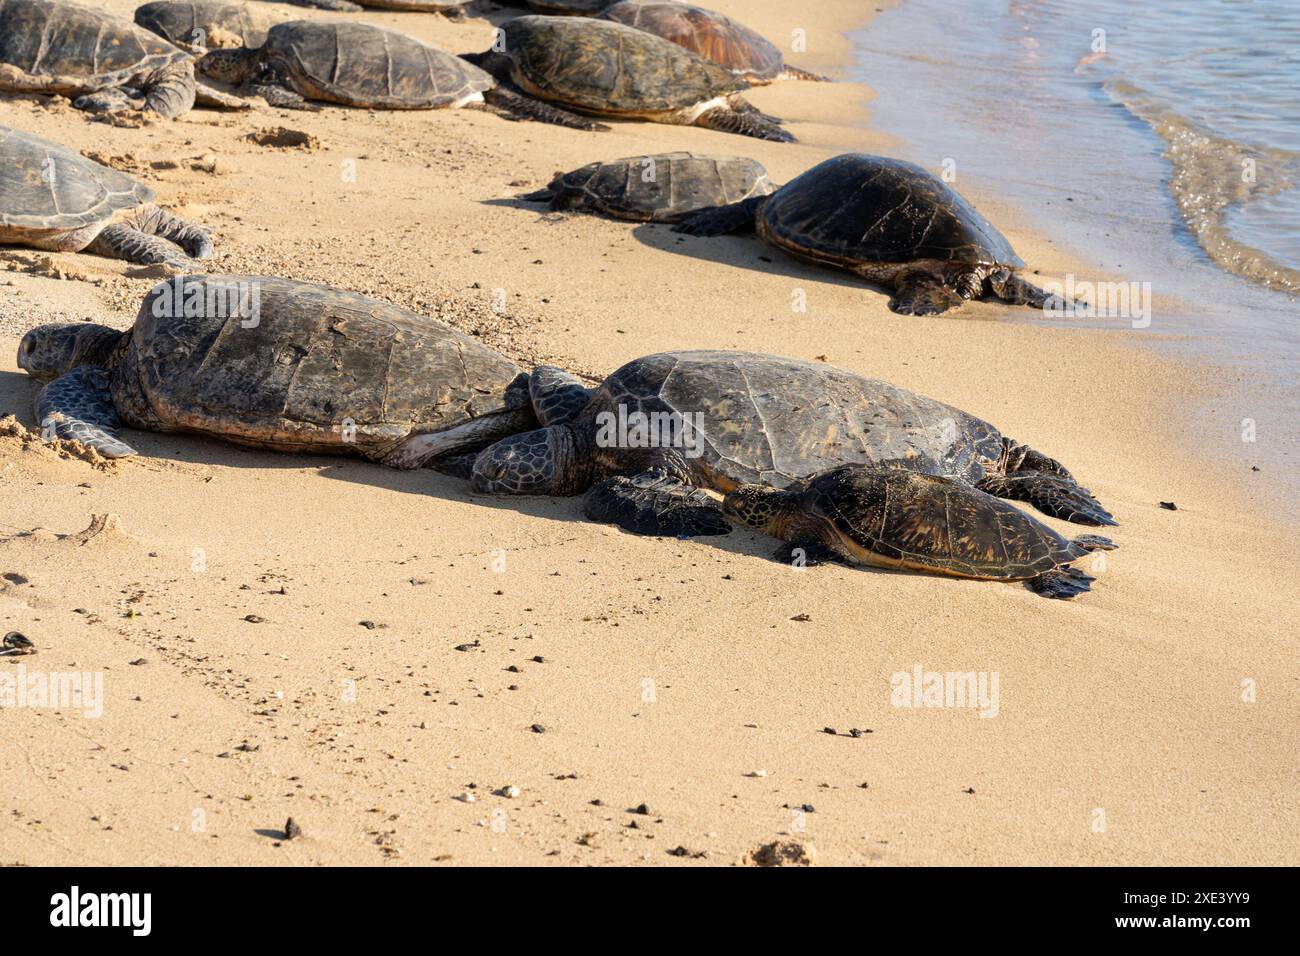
(363, 649)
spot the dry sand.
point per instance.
(670, 672)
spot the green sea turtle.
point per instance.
(200, 25)
(53, 198)
(890, 222)
(107, 63)
(609, 69)
(678, 422)
(896, 518)
(356, 64)
(717, 38)
(276, 364)
(659, 188)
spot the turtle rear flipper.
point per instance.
(78, 406)
(556, 395)
(122, 240)
(1051, 495)
(653, 503)
(156, 221)
(1061, 583)
(730, 119)
(515, 106)
(721, 220)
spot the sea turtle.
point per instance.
(678, 422)
(609, 69)
(277, 364)
(107, 63)
(53, 198)
(200, 25)
(890, 222)
(661, 188)
(717, 38)
(569, 8)
(356, 64)
(896, 518)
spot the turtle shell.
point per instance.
(203, 24)
(933, 523)
(608, 68)
(715, 37)
(361, 65)
(290, 365)
(426, 6)
(569, 8)
(66, 48)
(48, 191)
(858, 208)
(664, 187)
(772, 420)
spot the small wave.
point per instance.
(1212, 176)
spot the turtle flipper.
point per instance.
(267, 84)
(156, 221)
(794, 73)
(656, 504)
(457, 465)
(78, 406)
(1095, 542)
(806, 554)
(114, 99)
(540, 195)
(919, 293)
(1061, 583)
(729, 119)
(556, 395)
(1013, 290)
(171, 91)
(214, 98)
(1051, 495)
(120, 240)
(516, 106)
(721, 220)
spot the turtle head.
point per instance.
(544, 461)
(48, 351)
(760, 507)
(231, 66)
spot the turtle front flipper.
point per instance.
(556, 395)
(214, 98)
(515, 106)
(1050, 494)
(156, 221)
(920, 293)
(122, 240)
(654, 503)
(1061, 583)
(78, 406)
(744, 122)
(1012, 289)
(721, 220)
(114, 99)
(338, 6)
(266, 82)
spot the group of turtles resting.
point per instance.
(834, 464)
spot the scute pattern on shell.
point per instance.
(927, 522)
(77, 47)
(610, 68)
(712, 35)
(679, 184)
(774, 420)
(362, 65)
(185, 21)
(861, 208)
(316, 356)
(45, 186)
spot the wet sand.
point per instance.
(671, 672)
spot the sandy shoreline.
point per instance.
(670, 670)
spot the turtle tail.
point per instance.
(728, 119)
(516, 106)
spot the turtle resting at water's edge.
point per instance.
(891, 222)
(282, 365)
